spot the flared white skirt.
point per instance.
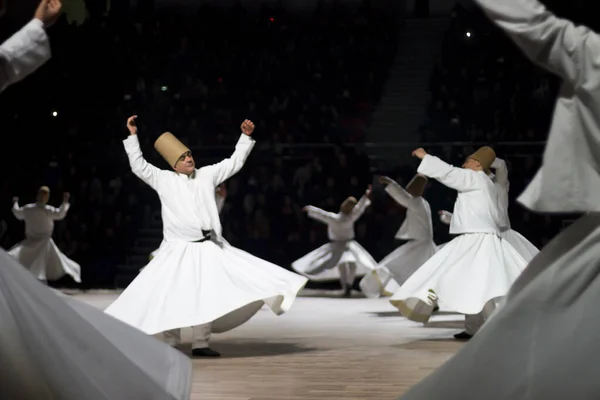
(189, 284)
(470, 271)
(523, 246)
(56, 347)
(321, 264)
(398, 266)
(44, 260)
(543, 344)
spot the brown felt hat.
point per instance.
(485, 155)
(170, 148)
(348, 205)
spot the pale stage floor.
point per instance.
(324, 348)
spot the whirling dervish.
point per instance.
(474, 270)
(500, 177)
(417, 228)
(197, 279)
(38, 252)
(343, 258)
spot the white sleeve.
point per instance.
(139, 166)
(460, 179)
(23, 53)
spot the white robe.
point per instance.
(23, 53)
(399, 265)
(543, 343)
(525, 248)
(55, 347)
(321, 264)
(475, 269)
(220, 203)
(38, 252)
(190, 284)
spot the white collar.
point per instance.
(184, 176)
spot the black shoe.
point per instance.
(436, 309)
(348, 292)
(205, 352)
(463, 336)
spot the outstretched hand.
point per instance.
(419, 153)
(247, 127)
(131, 125)
(369, 191)
(15, 199)
(48, 11)
(66, 197)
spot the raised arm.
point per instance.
(361, 206)
(224, 170)
(320, 215)
(16, 210)
(29, 48)
(501, 173)
(398, 193)
(460, 179)
(554, 43)
(58, 214)
(139, 166)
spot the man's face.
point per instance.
(185, 164)
(472, 164)
(43, 197)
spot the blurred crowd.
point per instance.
(309, 84)
(309, 81)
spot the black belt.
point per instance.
(207, 236)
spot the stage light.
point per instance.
(164, 88)
(54, 113)
(272, 19)
(468, 34)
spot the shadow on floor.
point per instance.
(244, 349)
(384, 314)
(460, 324)
(435, 345)
(330, 294)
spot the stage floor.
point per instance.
(324, 348)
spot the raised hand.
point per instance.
(131, 125)
(247, 127)
(369, 191)
(419, 153)
(66, 197)
(15, 199)
(48, 11)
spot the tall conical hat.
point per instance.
(417, 185)
(44, 189)
(485, 155)
(170, 148)
(348, 204)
